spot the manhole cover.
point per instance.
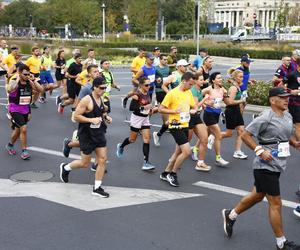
(32, 176)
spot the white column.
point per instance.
(263, 23)
(224, 19)
(268, 19)
(230, 19)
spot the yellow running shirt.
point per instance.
(178, 99)
(34, 64)
(137, 63)
(9, 61)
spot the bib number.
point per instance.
(145, 112)
(24, 100)
(244, 94)
(95, 125)
(108, 89)
(217, 103)
(284, 149)
(185, 117)
(151, 78)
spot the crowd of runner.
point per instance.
(190, 99)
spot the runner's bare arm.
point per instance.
(12, 86)
(167, 82)
(81, 109)
(139, 74)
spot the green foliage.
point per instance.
(258, 93)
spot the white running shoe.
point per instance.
(222, 162)
(211, 141)
(240, 155)
(202, 167)
(156, 139)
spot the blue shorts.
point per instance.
(46, 77)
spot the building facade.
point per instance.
(238, 13)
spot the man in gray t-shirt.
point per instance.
(274, 132)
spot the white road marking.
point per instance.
(79, 195)
(238, 192)
(152, 125)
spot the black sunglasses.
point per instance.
(103, 88)
(26, 74)
(147, 85)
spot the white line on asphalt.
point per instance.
(152, 125)
(54, 152)
(236, 191)
(3, 104)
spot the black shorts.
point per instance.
(160, 96)
(133, 129)
(195, 120)
(3, 72)
(18, 119)
(73, 89)
(267, 182)
(181, 136)
(59, 76)
(295, 112)
(210, 118)
(234, 117)
(107, 104)
(87, 146)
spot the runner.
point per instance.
(60, 64)
(3, 54)
(281, 75)
(273, 129)
(172, 59)
(198, 61)
(148, 70)
(20, 92)
(141, 108)
(136, 64)
(233, 115)
(212, 112)
(92, 119)
(177, 104)
(73, 88)
(34, 64)
(205, 68)
(156, 53)
(162, 71)
(295, 56)
(10, 60)
(110, 81)
(90, 60)
(198, 127)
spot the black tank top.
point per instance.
(89, 131)
(143, 101)
(205, 77)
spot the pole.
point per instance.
(103, 23)
(159, 29)
(198, 26)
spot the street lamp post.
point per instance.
(198, 26)
(103, 22)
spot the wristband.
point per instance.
(259, 152)
(257, 148)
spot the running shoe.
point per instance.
(60, 109)
(10, 150)
(33, 106)
(147, 166)
(66, 149)
(100, 192)
(297, 211)
(227, 222)
(289, 245)
(221, 162)
(195, 152)
(203, 167)
(240, 155)
(42, 99)
(156, 139)
(64, 174)
(254, 116)
(211, 141)
(172, 179)
(94, 167)
(163, 176)
(120, 150)
(25, 154)
(124, 102)
(57, 100)
(223, 119)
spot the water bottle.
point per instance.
(274, 153)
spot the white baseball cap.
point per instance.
(182, 62)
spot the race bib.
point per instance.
(217, 103)
(244, 94)
(62, 71)
(145, 112)
(24, 100)
(95, 125)
(185, 117)
(108, 88)
(284, 149)
(151, 78)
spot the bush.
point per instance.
(258, 93)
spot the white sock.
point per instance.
(67, 167)
(97, 184)
(280, 241)
(200, 162)
(233, 215)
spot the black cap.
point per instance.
(98, 81)
(156, 48)
(150, 56)
(203, 50)
(278, 91)
(246, 59)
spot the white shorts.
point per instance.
(139, 122)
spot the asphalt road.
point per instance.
(143, 212)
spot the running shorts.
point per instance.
(295, 112)
(46, 77)
(234, 117)
(180, 135)
(195, 120)
(266, 182)
(210, 118)
(73, 89)
(18, 119)
(139, 123)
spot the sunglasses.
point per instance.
(26, 74)
(102, 88)
(147, 85)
